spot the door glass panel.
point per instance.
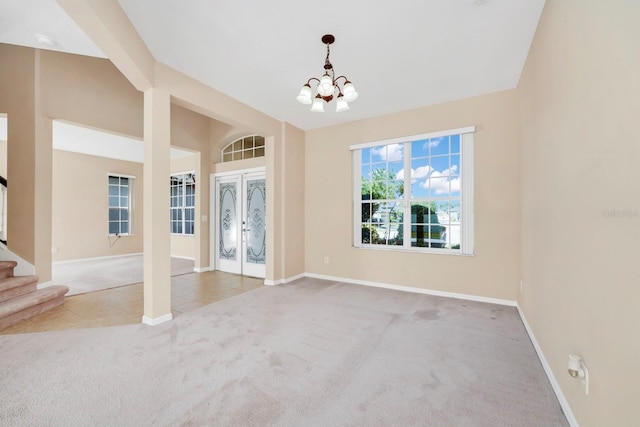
(228, 221)
(256, 242)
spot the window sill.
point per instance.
(416, 251)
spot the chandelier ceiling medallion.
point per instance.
(327, 86)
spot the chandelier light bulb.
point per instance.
(304, 97)
(350, 93)
(341, 104)
(317, 106)
(325, 87)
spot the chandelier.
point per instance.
(327, 86)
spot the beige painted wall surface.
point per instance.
(293, 212)
(492, 272)
(80, 207)
(17, 100)
(91, 92)
(577, 114)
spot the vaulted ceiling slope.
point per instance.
(400, 55)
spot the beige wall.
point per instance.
(577, 115)
(293, 212)
(492, 272)
(90, 91)
(80, 207)
(28, 157)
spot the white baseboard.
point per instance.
(98, 258)
(190, 258)
(156, 321)
(44, 284)
(283, 281)
(547, 369)
(202, 269)
(415, 290)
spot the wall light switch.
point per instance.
(204, 218)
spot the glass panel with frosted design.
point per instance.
(228, 223)
(256, 237)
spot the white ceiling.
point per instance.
(400, 55)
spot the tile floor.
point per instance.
(124, 305)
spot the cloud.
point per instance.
(440, 182)
(421, 172)
(433, 142)
(390, 153)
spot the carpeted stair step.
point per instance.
(25, 306)
(6, 268)
(11, 287)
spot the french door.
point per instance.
(240, 233)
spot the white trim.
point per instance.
(468, 297)
(357, 202)
(212, 221)
(193, 171)
(202, 269)
(190, 258)
(69, 261)
(564, 404)
(467, 205)
(44, 285)
(467, 129)
(120, 175)
(239, 172)
(156, 321)
(283, 281)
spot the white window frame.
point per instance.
(466, 192)
(183, 205)
(129, 207)
(250, 146)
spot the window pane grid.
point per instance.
(182, 203)
(244, 148)
(428, 173)
(119, 202)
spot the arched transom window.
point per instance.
(244, 148)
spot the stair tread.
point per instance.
(15, 281)
(22, 302)
(8, 264)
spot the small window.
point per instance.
(120, 205)
(244, 148)
(183, 202)
(415, 193)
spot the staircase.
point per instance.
(20, 299)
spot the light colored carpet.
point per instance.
(97, 274)
(309, 353)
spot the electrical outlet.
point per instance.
(326, 260)
(54, 250)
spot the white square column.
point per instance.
(157, 237)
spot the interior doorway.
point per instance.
(239, 243)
